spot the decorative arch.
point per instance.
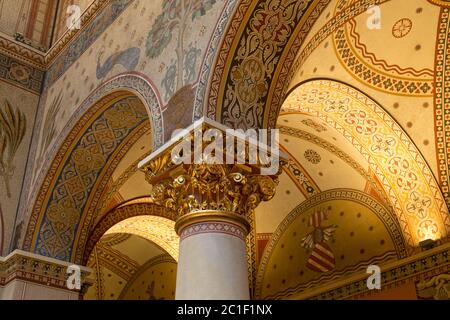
(115, 119)
(404, 174)
(291, 233)
(139, 85)
(114, 217)
(132, 83)
(253, 70)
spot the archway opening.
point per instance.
(136, 259)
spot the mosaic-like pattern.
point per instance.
(79, 175)
(254, 61)
(44, 173)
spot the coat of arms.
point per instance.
(322, 257)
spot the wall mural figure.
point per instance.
(129, 59)
(12, 130)
(176, 14)
(322, 257)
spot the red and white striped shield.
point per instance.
(321, 259)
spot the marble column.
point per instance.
(212, 200)
(213, 257)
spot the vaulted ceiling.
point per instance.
(358, 120)
(135, 260)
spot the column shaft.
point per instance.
(213, 262)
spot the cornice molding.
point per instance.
(30, 267)
(22, 52)
(418, 269)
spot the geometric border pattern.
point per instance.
(30, 78)
(300, 176)
(223, 87)
(95, 20)
(294, 60)
(31, 268)
(322, 143)
(77, 46)
(442, 101)
(92, 208)
(331, 278)
(208, 62)
(116, 261)
(213, 227)
(24, 54)
(347, 50)
(335, 22)
(115, 186)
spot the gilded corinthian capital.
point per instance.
(215, 173)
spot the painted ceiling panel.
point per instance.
(404, 41)
(317, 127)
(326, 168)
(305, 253)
